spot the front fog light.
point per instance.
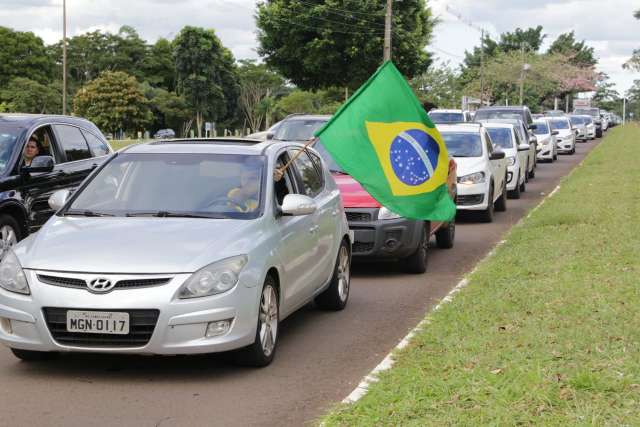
(215, 329)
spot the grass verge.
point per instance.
(548, 330)
(117, 144)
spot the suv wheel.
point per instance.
(446, 235)
(263, 349)
(417, 262)
(337, 294)
(9, 232)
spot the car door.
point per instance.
(523, 156)
(79, 161)
(298, 242)
(497, 166)
(312, 184)
(36, 188)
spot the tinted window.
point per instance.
(309, 177)
(501, 137)
(498, 114)
(298, 129)
(440, 118)
(8, 137)
(559, 124)
(97, 146)
(541, 128)
(463, 144)
(72, 143)
(210, 185)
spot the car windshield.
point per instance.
(541, 128)
(485, 114)
(576, 120)
(463, 144)
(8, 137)
(593, 112)
(588, 120)
(298, 129)
(559, 124)
(331, 164)
(181, 185)
(501, 137)
(442, 117)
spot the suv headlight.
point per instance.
(511, 161)
(385, 213)
(215, 278)
(474, 178)
(12, 276)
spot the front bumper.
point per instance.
(545, 152)
(566, 146)
(26, 322)
(513, 172)
(382, 239)
(473, 197)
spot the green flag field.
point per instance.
(547, 332)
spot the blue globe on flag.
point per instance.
(414, 156)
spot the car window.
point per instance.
(9, 136)
(463, 144)
(45, 146)
(541, 129)
(501, 137)
(298, 129)
(72, 143)
(286, 184)
(96, 145)
(318, 164)
(308, 176)
(559, 124)
(442, 117)
(488, 142)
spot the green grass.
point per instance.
(117, 144)
(548, 330)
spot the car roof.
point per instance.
(504, 107)
(490, 124)
(460, 127)
(29, 119)
(510, 121)
(308, 117)
(228, 145)
(446, 110)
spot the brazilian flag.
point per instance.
(385, 140)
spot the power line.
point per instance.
(453, 55)
(375, 14)
(347, 13)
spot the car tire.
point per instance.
(555, 157)
(501, 203)
(335, 297)
(446, 235)
(515, 193)
(263, 349)
(487, 214)
(523, 186)
(10, 232)
(532, 174)
(33, 356)
(526, 173)
(416, 263)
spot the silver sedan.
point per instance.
(179, 247)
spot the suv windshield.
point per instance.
(8, 137)
(442, 117)
(559, 124)
(182, 185)
(298, 129)
(463, 144)
(576, 120)
(593, 112)
(541, 128)
(485, 114)
(501, 137)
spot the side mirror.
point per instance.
(297, 205)
(555, 132)
(58, 199)
(39, 164)
(270, 136)
(524, 147)
(497, 155)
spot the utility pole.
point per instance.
(387, 31)
(64, 57)
(481, 67)
(525, 67)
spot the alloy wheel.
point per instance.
(344, 275)
(268, 320)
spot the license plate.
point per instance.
(98, 322)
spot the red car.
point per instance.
(383, 235)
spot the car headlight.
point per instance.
(385, 213)
(12, 276)
(215, 278)
(474, 178)
(511, 161)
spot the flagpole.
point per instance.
(300, 151)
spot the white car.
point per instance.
(482, 170)
(525, 136)
(581, 127)
(547, 148)
(566, 137)
(450, 116)
(591, 127)
(504, 136)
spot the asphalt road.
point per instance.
(321, 356)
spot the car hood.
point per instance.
(134, 245)
(563, 133)
(353, 194)
(467, 165)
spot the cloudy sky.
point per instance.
(608, 26)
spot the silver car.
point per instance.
(179, 247)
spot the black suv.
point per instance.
(70, 148)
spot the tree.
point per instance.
(580, 54)
(169, 110)
(605, 90)
(23, 54)
(206, 75)
(113, 101)
(257, 85)
(634, 62)
(24, 95)
(159, 65)
(530, 38)
(323, 43)
(439, 87)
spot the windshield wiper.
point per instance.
(167, 214)
(86, 213)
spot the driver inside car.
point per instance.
(245, 198)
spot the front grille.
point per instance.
(471, 199)
(358, 216)
(141, 326)
(362, 247)
(70, 282)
